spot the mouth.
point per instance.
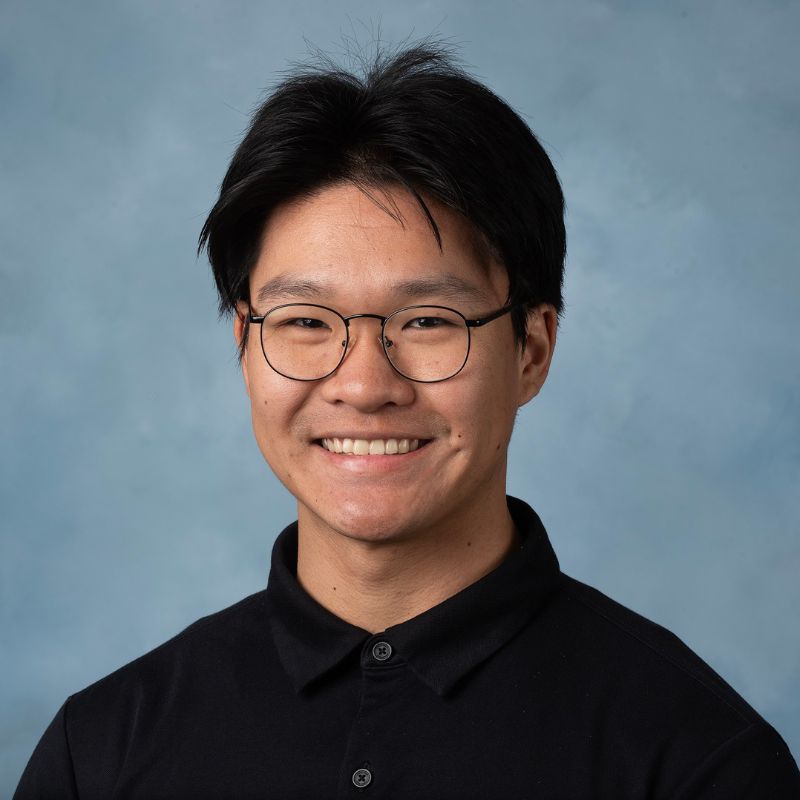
(371, 447)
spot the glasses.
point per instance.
(427, 344)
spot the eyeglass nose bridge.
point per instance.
(383, 341)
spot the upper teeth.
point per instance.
(370, 447)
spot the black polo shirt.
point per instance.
(525, 684)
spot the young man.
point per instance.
(393, 253)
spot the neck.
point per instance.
(375, 585)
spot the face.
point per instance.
(359, 255)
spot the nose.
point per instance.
(365, 379)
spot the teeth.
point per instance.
(371, 447)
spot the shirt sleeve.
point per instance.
(49, 774)
(752, 765)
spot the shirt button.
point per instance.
(381, 651)
(362, 777)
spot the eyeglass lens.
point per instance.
(424, 343)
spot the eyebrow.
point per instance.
(446, 285)
(283, 287)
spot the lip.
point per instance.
(371, 436)
(372, 463)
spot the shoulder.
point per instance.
(228, 626)
(651, 698)
(191, 658)
(644, 654)
(99, 728)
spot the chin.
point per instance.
(366, 522)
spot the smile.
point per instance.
(372, 447)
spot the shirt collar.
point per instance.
(442, 644)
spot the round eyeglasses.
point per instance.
(427, 344)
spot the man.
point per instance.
(392, 250)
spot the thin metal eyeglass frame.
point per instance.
(470, 323)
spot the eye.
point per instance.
(427, 323)
(306, 323)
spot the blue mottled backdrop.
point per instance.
(663, 454)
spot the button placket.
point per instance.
(383, 682)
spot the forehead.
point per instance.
(340, 242)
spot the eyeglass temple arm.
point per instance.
(476, 323)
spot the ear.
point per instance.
(540, 343)
(239, 324)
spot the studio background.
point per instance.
(663, 453)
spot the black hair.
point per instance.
(414, 119)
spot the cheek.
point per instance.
(479, 415)
(487, 405)
(274, 407)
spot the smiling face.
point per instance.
(359, 256)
